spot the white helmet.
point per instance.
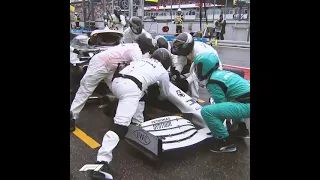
(179, 9)
(106, 37)
(100, 31)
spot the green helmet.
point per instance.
(205, 64)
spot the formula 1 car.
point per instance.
(159, 135)
(162, 134)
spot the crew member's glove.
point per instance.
(76, 51)
(153, 90)
(183, 84)
(72, 122)
(85, 53)
(175, 75)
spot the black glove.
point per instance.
(76, 51)
(85, 53)
(72, 122)
(183, 84)
(175, 75)
(153, 90)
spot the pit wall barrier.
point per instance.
(246, 70)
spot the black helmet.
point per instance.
(146, 43)
(162, 42)
(117, 11)
(163, 56)
(183, 44)
(136, 25)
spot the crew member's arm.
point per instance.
(71, 49)
(95, 73)
(146, 33)
(74, 50)
(123, 20)
(216, 93)
(179, 62)
(127, 37)
(174, 60)
(193, 75)
(164, 84)
(133, 54)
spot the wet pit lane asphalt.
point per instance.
(194, 163)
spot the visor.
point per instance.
(178, 43)
(176, 46)
(135, 28)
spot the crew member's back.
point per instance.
(147, 71)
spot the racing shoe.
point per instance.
(241, 132)
(223, 146)
(105, 173)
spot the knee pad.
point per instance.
(120, 130)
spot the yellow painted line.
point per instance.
(86, 139)
(201, 101)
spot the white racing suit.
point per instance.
(130, 37)
(148, 72)
(73, 56)
(181, 61)
(102, 66)
(116, 23)
(71, 49)
(146, 55)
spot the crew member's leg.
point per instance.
(180, 29)
(221, 36)
(242, 130)
(194, 90)
(138, 115)
(129, 95)
(217, 35)
(215, 114)
(95, 73)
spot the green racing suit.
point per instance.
(231, 94)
